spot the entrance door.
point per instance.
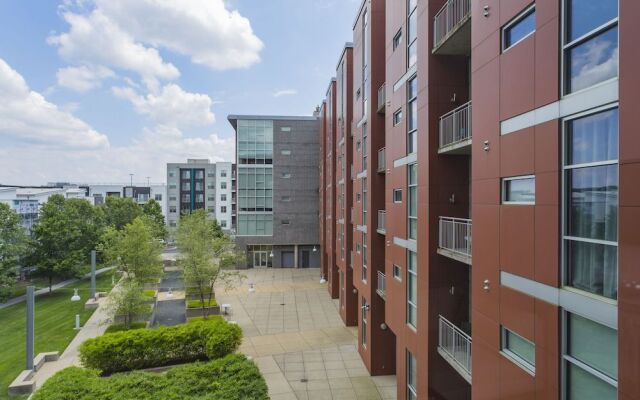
(288, 259)
(305, 262)
(260, 259)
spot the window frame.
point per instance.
(398, 269)
(512, 355)
(412, 390)
(503, 189)
(410, 303)
(397, 192)
(397, 39)
(514, 21)
(397, 117)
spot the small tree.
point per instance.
(206, 256)
(13, 244)
(134, 250)
(153, 211)
(127, 302)
(120, 211)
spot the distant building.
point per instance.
(200, 184)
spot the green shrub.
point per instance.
(146, 348)
(149, 293)
(120, 327)
(230, 378)
(198, 303)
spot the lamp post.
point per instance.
(30, 325)
(93, 274)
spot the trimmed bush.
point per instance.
(230, 378)
(120, 327)
(149, 293)
(198, 303)
(147, 348)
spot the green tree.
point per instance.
(13, 245)
(134, 250)
(66, 232)
(152, 210)
(127, 302)
(120, 211)
(207, 256)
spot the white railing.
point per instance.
(455, 343)
(381, 160)
(381, 98)
(455, 235)
(382, 214)
(448, 18)
(381, 284)
(455, 126)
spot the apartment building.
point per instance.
(544, 304)
(200, 184)
(277, 190)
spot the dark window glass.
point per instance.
(593, 267)
(584, 386)
(518, 30)
(594, 344)
(593, 138)
(583, 16)
(593, 61)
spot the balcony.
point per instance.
(381, 285)
(382, 167)
(382, 214)
(455, 131)
(454, 239)
(454, 345)
(452, 28)
(381, 99)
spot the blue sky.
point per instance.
(92, 90)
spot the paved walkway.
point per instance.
(55, 287)
(294, 332)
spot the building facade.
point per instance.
(200, 184)
(540, 299)
(277, 190)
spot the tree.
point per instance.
(134, 250)
(152, 210)
(206, 256)
(120, 211)
(66, 232)
(13, 245)
(127, 302)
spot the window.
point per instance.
(211, 198)
(397, 195)
(365, 312)
(186, 198)
(358, 197)
(158, 197)
(365, 60)
(412, 33)
(255, 224)
(412, 393)
(522, 26)
(412, 115)
(223, 209)
(172, 186)
(172, 198)
(412, 288)
(186, 174)
(172, 209)
(285, 222)
(286, 175)
(364, 201)
(211, 174)
(199, 198)
(397, 117)
(397, 272)
(223, 223)
(211, 209)
(223, 185)
(286, 198)
(172, 224)
(255, 142)
(223, 173)
(590, 359)
(211, 186)
(223, 197)
(358, 248)
(365, 152)
(171, 174)
(364, 257)
(519, 190)
(519, 350)
(412, 198)
(590, 43)
(285, 129)
(590, 209)
(397, 40)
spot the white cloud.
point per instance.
(205, 30)
(285, 92)
(171, 106)
(26, 116)
(83, 78)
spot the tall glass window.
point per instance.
(364, 201)
(255, 224)
(412, 201)
(591, 203)
(364, 258)
(590, 43)
(365, 314)
(412, 115)
(255, 141)
(412, 376)
(590, 360)
(365, 152)
(412, 288)
(255, 188)
(412, 30)
(365, 61)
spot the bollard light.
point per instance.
(76, 296)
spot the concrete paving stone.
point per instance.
(291, 366)
(283, 396)
(339, 383)
(317, 384)
(384, 380)
(337, 373)
(357, 372)
(314, 366)
(349, 364)
(267, 364)
(343, 394)
(389, 392)
(314, 375)
(294, 375)
(301, 395)
(319, 394)
(334, 365)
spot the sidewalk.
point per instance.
(55, 287)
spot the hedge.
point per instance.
(147, 348)
(198, 303)
(120, 327)
(230, 378)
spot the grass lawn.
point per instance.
(54, 323)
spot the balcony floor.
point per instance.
(458, 42)
(462, 147)
(458, 256)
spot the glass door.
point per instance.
(260, 259)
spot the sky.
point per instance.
(94, 90)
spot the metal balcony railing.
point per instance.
(381, 284)
(381, 98)
(455, 235)
(382, 214)
(454, 343)
(448, 20)
(381, 160)
(455, 126)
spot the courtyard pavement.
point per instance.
(294, 333)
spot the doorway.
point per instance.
(305, 259)
(260, 259)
